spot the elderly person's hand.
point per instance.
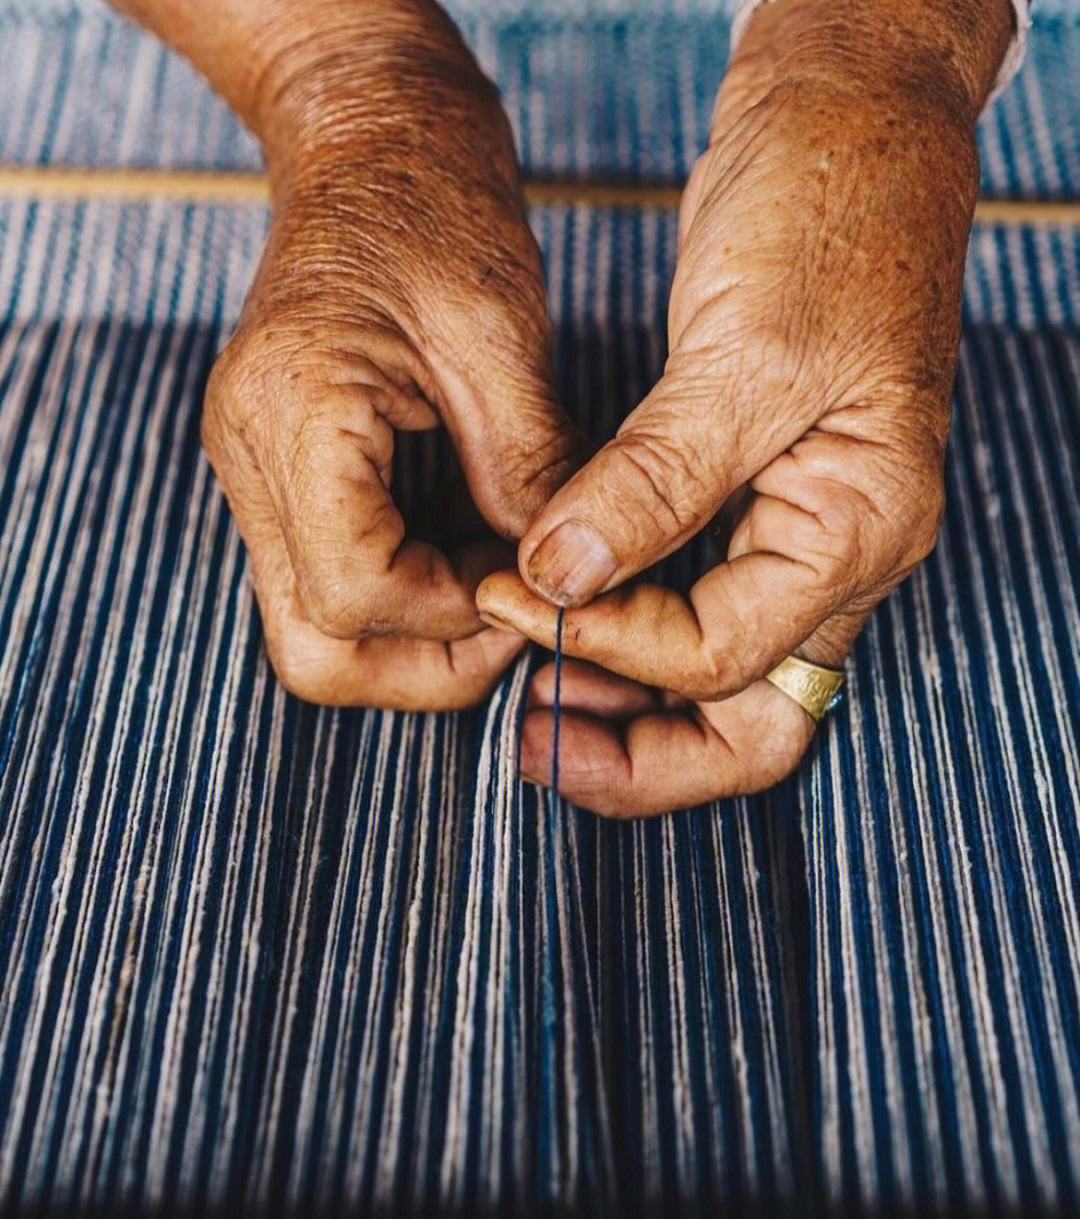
(813, 326)
(400, 289)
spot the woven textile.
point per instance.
(254, 954)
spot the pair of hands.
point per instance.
(813, 327)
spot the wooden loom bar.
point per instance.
(236, 187)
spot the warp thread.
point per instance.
(556, 705)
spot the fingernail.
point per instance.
(571, 564)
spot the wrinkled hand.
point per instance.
(400, 289)
(813, 329)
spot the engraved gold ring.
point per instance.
(815, 688)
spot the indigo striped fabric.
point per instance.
(259, 956)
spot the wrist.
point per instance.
(933, 55)
(350, 74)
(259, 54)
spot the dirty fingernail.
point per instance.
(572, 564)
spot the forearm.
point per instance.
(290, 67)
(942, 54)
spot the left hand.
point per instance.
(400, 290)
(814, 322)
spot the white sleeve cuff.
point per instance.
(1010, 65)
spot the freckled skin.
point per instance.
(813, 328)
(813, 324)
(400, 289)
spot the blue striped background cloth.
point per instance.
(258, 955)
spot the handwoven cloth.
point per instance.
(257, 955)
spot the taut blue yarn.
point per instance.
(556, 702)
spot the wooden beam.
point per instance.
(235, 187)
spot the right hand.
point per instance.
(400, 289)
(813, 329)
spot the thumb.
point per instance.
(657, 483)
(515, 444)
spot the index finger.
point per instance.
(356, 573)
(738, 621)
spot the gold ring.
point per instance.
(816, 689)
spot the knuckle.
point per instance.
(717, 675)
(219, 383)
(232, 368)
(928, 526)
(294, 667)
(222, 401)
(664, 475)
(775, 765)
(292, 674)
(212, 434)
(915, 522)
(917, 492)
(843, 548)
(332, 601)
(239, 393)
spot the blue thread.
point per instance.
(555, 704)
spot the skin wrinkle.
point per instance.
(684, 516)
(879, 43)
(821, 251)
(362, 234)
(866, 166)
